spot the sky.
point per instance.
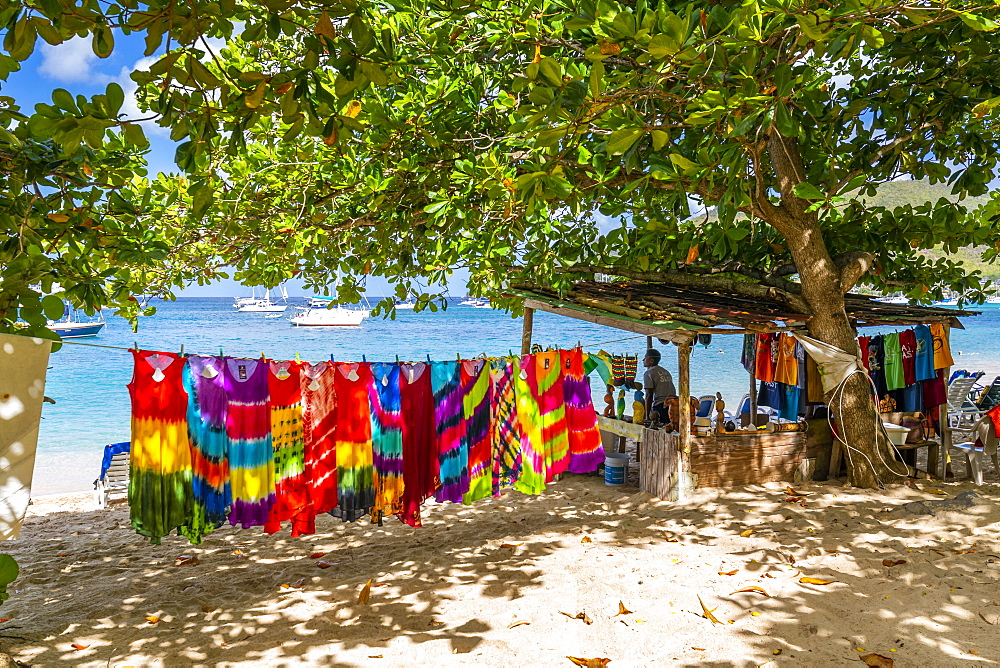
(73, 66)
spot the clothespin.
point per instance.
(262, 355)
(135, 346)
(397, 359)
(331, 359)
(458, 357)
(182, 350)
(220, 352)
(297, 357)
(364, 359)
(428, 358)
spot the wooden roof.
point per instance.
(676, 313)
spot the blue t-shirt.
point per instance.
(924, 358)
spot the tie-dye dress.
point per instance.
(453, 451)
(586, 453)
(420, 459)
(532, 478)
(291, 497)
(387, 440)
(160, 491)
(476, 402)
(552, 409)
(353, 436)
(506, 434)
(319, 420)
(248, 425)
(206, 418)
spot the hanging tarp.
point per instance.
(835, 365)
(23, 361)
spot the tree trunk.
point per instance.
(869, 460)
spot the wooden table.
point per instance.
(623, 430)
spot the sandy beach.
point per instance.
(487, 585)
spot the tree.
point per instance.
(405, 138)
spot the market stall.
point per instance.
(670, 463)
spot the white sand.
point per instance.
(448, 594)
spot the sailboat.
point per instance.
(262, 304)
(71, 326)
(337, 316)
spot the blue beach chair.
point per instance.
(114, 473)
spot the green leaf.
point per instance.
(115, 97)
(854, 183)
(662, 47)
(596, 79)
(622, 140)
(683, 163)
(374, 73)
(134, 135)
(103, 41)
(783, 120)
(53, 307)
(550, 72)
(977, 22)
(8, 573)
(808, 24)
(255, 98)
(660, 138)
(807, 190)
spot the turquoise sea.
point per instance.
(92, 404)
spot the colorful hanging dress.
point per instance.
(476, 401)
(532, 479)
(160, 493)
(206, 418)
(319, 419)
(387, 440)
(552, 409)
(453, 451)
(291, 496)
(506, 433)
(248, 425)
(353, 437)
(586, 452)
(420, 459)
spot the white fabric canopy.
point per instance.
(835, 365)
(23, 361)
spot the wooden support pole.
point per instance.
(529, 320)
(943, 420)
(649, 342)
(684, 406)
(753, 390)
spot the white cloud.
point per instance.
(130, 109)
(70, 61)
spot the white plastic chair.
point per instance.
(114, 481)
(984, 432)
(963, 414)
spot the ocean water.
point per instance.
(92, 403)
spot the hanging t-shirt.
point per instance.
(863, 345)
(770, 395)
(748, 358)
(908, 347)
(893, 364)
(935, 390)
(787, 369)
(924, 355)
(876, 360)
(942, 351)
(764, 365)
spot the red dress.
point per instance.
(287, 437)
(319, 420)
(420, 458)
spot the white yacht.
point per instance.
(405, 305)
(338, 316)
(898, 299)
(262, 304)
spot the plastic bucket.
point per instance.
(615, 468)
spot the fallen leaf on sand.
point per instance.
(816, 581)
(295, 585)
(374, 656)
(6, 620)
(323, 564)
(586, 539)
(317, 555)
(670, 539)
(580, 615)
(186, 560)
(698, 649)
(152, 620)
(207, 608)
(707, 614)
(751, 590)
(237, 552)
(511, 545)
(513, 625)
(877, 661)
(889, 563)
(791, 558)
(747, 533)
(622, 610)
(934, 491)
(366, 592)
(792, 492)
(79, 647)
(767, 575)
(729, 572)
(589, 663)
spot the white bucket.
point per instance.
(897, 434)
(615, 468)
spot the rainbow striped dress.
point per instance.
(586, 452)
(353, 438)
(452, 448)
(505, 437)
(387, 440)
(291, 503)
(552, 408)
(160, 494)
(206, 418)
(529, 420)
(248, 425)
(319, 418)
(476, 402)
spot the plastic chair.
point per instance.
(706, 406)
(984, 433)
(963, 413)
(114, 473)
(990, 396)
